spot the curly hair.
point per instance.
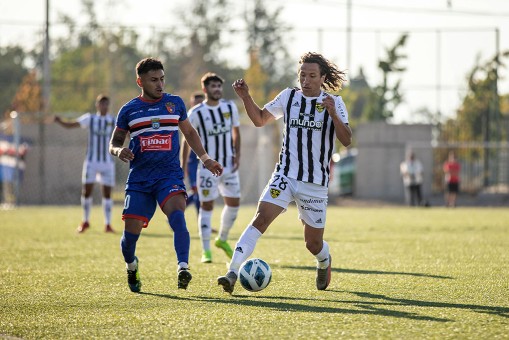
(334, 78)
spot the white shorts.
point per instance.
(311, 199)
(103, 173)
(210, 186)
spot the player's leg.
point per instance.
(88, 175)
(311, 202)
(208, 191)
(273, 201)
(139, 207)
(107, 179)
(229, 187)
(171, 198)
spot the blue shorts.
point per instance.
(141, 198)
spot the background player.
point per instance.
(192, 161)
(98, 165)
(155, 176)
(313, 120)
(217, 122)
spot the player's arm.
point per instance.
(258, 116)
(185, 155)
(117, 146)
(66, 124)
(342, 130)
(194, 141)
(236, 147)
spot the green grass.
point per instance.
(398, 273)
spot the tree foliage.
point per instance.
(12, 71)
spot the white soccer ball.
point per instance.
(255, 275)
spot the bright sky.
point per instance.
(445, 36)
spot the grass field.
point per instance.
(398, 272)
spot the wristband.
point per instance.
(205, 157)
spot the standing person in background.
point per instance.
(217, 122)
(452, 179)
(155, 177)
(98, 165)
(411, 172)
(192, 161)
(313, 120)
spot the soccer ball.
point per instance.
(255, 275)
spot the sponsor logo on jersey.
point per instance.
(156, 124)
(170, 107)
(306, 124)
(319, 107)
(155, 143)
(296, 104)
(218, 130)
(274, 193)
(312, 200)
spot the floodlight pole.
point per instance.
(46, 90)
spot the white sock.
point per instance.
(182, 265)
(322, 258)
(204, 227)
(86, 204)
(107, 206)
(244, 247)
(131, 266)
(228, 217)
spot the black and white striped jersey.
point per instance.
(214, 125)
(100, 129)
(308, 136)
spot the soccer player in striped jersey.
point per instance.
(313, 120)
(98, 165)
(217, 122)
(152, 121)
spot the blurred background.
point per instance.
(427, 77)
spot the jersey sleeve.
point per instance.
(182, 109)
(277, 106)
(235, 115)
(341, 109)
(84, 120)
(122, 122)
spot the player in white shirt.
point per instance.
(313, 120)
(217, 123)
(98, 165)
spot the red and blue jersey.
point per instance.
(153, 128)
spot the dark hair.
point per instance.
(199, 95)
(148, 64)
(334, 78)
(208, 77)
(101, 98)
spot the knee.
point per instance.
(314, 246)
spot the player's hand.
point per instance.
(214, 167)
(329, 104)
(240, 87)
(125, 155)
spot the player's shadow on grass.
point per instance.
(494, 310)
(368, 272)
(306, 307)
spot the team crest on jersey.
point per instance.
(170, 107)
(274, 193)
(319, 107)
(156, 124)
(205, 192)
(227, 115)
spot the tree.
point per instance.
(387, 97)
(12, 71)
(265, 36)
